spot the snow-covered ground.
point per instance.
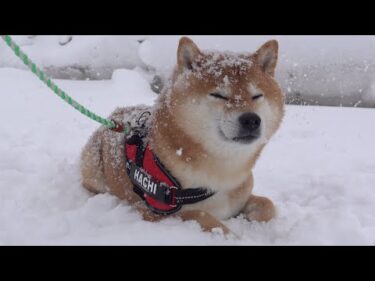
(319, 170)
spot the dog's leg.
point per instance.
(259, 209)
(146, 213)
(92, 165)
(206, 221)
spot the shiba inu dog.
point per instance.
(208, 128)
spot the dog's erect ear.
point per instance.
(266, 57)
(186, 53)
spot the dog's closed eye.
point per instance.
(218, 96)
(257, 96)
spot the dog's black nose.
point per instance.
(250, 121)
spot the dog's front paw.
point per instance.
(207, 222)
(259, 209)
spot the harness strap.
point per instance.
(136, 140)
(171, 195)
(192, 195)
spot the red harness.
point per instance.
(161, 192)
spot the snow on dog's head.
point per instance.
(226, 101)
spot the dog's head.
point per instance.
(226, 101)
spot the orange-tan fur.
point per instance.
(183, 121)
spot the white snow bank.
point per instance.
(82, 57)
(318, 169)
(329, 70)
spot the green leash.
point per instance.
(111, 124)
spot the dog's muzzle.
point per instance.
(249, 127)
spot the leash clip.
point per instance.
(120, 128)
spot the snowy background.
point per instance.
(319, 169)
(323, 70)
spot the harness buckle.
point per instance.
(170, 196)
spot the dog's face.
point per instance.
(227, 101)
